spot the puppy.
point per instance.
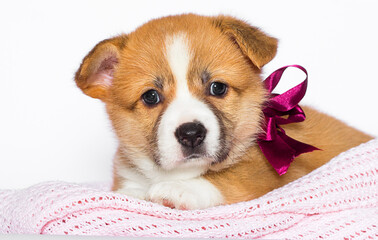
(185, 98)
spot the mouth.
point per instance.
(196, 159)
(196, 155)
(193, 157)
(206, 158)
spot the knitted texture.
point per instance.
(338, 200)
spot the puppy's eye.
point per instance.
(151, 97)
(218, 89)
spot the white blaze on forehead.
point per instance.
(178, 56)
(184, 108)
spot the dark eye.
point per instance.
(218, 89)
(151, 97)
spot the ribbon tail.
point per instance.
(278, 153)
(282, 151)
(297, 146)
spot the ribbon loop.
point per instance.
(279, 149)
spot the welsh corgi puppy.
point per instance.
(185, 99)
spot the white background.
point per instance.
(49, 130)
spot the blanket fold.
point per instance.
(337, 200)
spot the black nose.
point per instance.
(191, 134)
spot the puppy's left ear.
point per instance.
(258, 46)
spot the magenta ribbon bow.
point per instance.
(278, 148)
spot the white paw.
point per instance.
(189, 194)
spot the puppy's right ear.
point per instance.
(96, 72)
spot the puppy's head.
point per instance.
(182, 91)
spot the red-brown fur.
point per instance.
(231, 51)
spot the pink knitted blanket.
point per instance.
(338, 200)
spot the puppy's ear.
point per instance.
(96, 72)
(255, 44)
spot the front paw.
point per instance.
(185, 194)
